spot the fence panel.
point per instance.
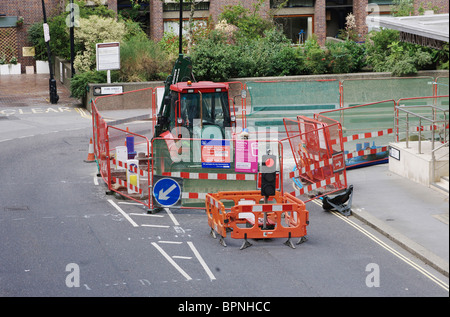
(208, 166)
(318, 152)
(442, 86)
(130, 166)
(365, 91)
(272, 101)
(367, 131)
(101, 146)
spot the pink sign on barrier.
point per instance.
(246, 156)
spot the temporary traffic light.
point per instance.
(268, 175)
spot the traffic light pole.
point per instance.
(52, 82)
(268, 180)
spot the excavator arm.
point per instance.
(181, 72)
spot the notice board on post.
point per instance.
(108, 56)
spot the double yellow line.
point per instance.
(83, 113)
(388, 248)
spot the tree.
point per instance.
(249, 22)
(191, 25)
(402, 8)
(95, 30)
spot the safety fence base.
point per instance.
(254, 216)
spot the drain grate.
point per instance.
(17, 208)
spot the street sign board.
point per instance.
(167, 191)
(216, 153)
(108, 56)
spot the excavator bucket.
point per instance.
(338, 202)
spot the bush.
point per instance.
(385, 53)
(59, 31)
(212, 58)
(340, 61)
(142, 60)
(250, 24)
(358, 55)
(79, 82)
(270, 55)
(345, 57)
(315, 57)
(95, 30)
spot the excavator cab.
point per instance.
(202, 108)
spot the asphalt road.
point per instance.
(61, 235)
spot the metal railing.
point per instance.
(422, 121)
(434, 159)
(429, 123)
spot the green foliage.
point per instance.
(401, 8)
(142, 60)
(59, 38)
(385, 53)
(345, 57)
(95, 30)
(59, 31)
(273, 55)
(80, 81)
(358, 55)
(250, 24)
(36, 38)
(212, 58)
(270, 55)
(315, 57)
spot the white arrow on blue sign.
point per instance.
(167, 192)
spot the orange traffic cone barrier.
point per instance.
(91, 156)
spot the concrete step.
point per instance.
(442, 185)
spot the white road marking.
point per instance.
(388, 248)
(202, 262)
(176, 223)
(171, 261)
(171, 242)
(146, 215)
(123, 213)
(155, 226)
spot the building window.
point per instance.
(296, 28)
(173, 26)
(292, 3)
(380, 2)
(173, 6)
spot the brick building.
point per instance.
(13, 35)
(299, 18)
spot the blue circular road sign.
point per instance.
(167, 192)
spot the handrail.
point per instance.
(433, 160)
(433, 122)
(440, 146)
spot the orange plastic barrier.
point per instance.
(283, 216)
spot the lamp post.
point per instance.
(72, 38)
(52, 82)
(180, 38)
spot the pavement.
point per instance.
(410, 214)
